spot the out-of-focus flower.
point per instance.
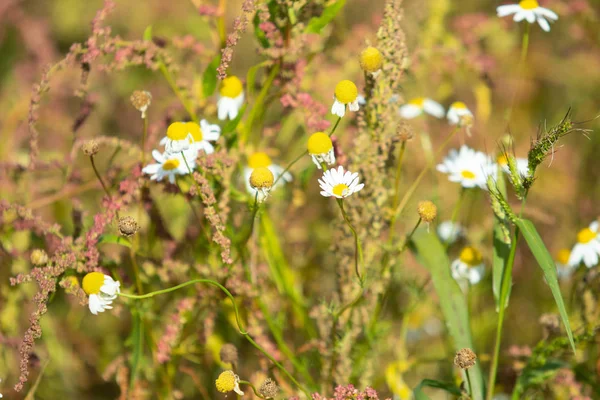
(179, 137)
(202, 135)
(141, 100)
(261, 180)
(587, 248)
(320, 148)
(231, 98)
(563, 269)
(465, 358)
(258, 160)
(457, 111)
(90, 148)
(170, 165)
(427, 211)
(228, 382)
(468, 266)
(529, 10)
(522, 165)
(371, 60)
(420, 105)
(229, 353)
(361, 100)
(468, 167)
(268, 389)
(128, 226)
(346, 93)
(39, 257)
(449, 231)
(339, 183)
(101, 289)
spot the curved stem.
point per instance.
(98, 176)
(253, 389)
(190, 110)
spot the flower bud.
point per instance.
(90, 148)
(141, 100)
(39, 257)
(128, 226)
(268, 389)
(427, 210)
(465, 358)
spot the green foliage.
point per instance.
(316, 24)
(448, 387)
(209, 78)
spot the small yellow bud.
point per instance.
(90, 148)
(39, 257)
(261, 178)
(346, 92)
(427, 210)
(371, 59)
(319, 143)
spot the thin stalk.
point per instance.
(410, 235)
(455, 213)
(397, 186)
(469, 382)
(237, 319)
(251, 229)
(253, 389)
(175, 89)
(358, 255)
(259, 102)
(144, 135)
(98, 176)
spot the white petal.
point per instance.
(338, 109)
(353, 106)
(520, 16)
(546, 13)
(410, 111)
(507, 9)
(543, 24)
(433, 108)
(530, 17)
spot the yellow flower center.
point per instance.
(563, 256)
(225, 382)
(502, 160)
(261, 178)
(586, 235)
(427, 210)
(346, 92)
(529, 4)
(92, 282)
(319, 143)
(170, 164)
(371, 59)
(195, 130)
(459, 105)
(467, 174)
(231, 87)
(470, 256)
(417, 101)
(339, 189)
(177, 131)
(258, 160)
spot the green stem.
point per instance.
(335, 126)
(144, 134)
(358, 255)
(410, 235)
(98, 176)
(165, 71)
(259, 102)
(469, 383)
(248, 235)
(237, 319)
(455, 213)
(397, 188)
(253, 389)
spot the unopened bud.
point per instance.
(465, 358)
(141, 100)
(90, 148)
(128, 226)
(427, 210)
(39, 257)
(229, 353)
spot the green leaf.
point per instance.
(432, 254)
(148, 33)
(500, 254)
(232, 125)
(536, 376)
(137, 342)
(110, 238)
(545, 261)
(316, 24)
(447, 386)
(209, 78)
(251, 78)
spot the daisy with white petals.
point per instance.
(420, 105)
(449, 231)
(231, 98)
(346, 93)
(101, 289)
(529, 10)
(320, 148)
(563, 269)
(587, 248)
(468, 167)
(262, 160)
(468, 267)
(170, 165)
(200, 136)
(457, 111)
(339, 183)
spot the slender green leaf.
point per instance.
(545, 261)
(316, 24)
(232, 125)
(209, 78)
(110, 238)
(432, 254)
(447, 386)
(148, 33)
(251, 78)
(500, 254)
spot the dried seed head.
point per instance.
(39, 257)
(268, 389)
(128, 226)
(465, 358)
(229, 353)
(427, 210)
(550, 324)
(90, 148)
(404, 132)
(141, 100)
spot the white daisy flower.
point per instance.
(320, 148)
(563, 269)
(258, 160)
(522, 165)
(101, 289)
(339, 183)
(201, 136)
(170, 165)
(587, 248)
(529, 10)
(468, 167)
(449, 231)
(418, 106)
(231, 98)
(261, 180)
(179, 136)
(468, 267)
(457, 111)
(346, 93)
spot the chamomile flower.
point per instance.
(420, 105)
(587, 248)
(261, 179)
(101, 289)
(169, 165)
(522, 165)
(231, 98)
(201, 136)
(371, 60)
(179, 137)
(339, 183)
(468, 167)
(346, 93)
(449, 231)
(457, 111)
(529, 10)
(228, 382)
(468, 267)
(320, 148)
(258, 160)
(563, 269)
